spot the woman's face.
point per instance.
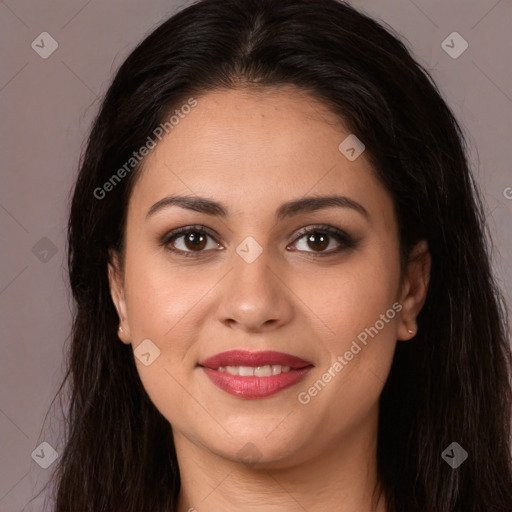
(268, 275)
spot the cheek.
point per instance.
(357, 362)
(158, 295)
(351, 296)
(163, 304)
(358, 308)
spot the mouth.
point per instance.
(254, 375)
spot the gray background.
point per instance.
(46, 107)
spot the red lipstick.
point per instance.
(254, 374)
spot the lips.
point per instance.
(273, 372)
(246, 358)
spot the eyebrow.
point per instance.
(286, 210)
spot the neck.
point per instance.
(342, 477)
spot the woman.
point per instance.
(283, 292)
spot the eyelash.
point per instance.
(345, 240)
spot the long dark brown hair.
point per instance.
(451, 383)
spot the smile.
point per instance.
(263, 374)
(259, 371)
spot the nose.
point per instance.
(255, 296)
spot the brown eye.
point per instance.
(318, 241)
(189, 241)
(195, 241)
(320, 238)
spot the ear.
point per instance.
(116, 283)
(414, 289)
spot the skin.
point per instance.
(252, 151)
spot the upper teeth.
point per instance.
(258, 371)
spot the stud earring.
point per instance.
(120, 329)
(410, 331)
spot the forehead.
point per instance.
(253, 148)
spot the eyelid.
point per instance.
(188, 229)
(322, 228)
